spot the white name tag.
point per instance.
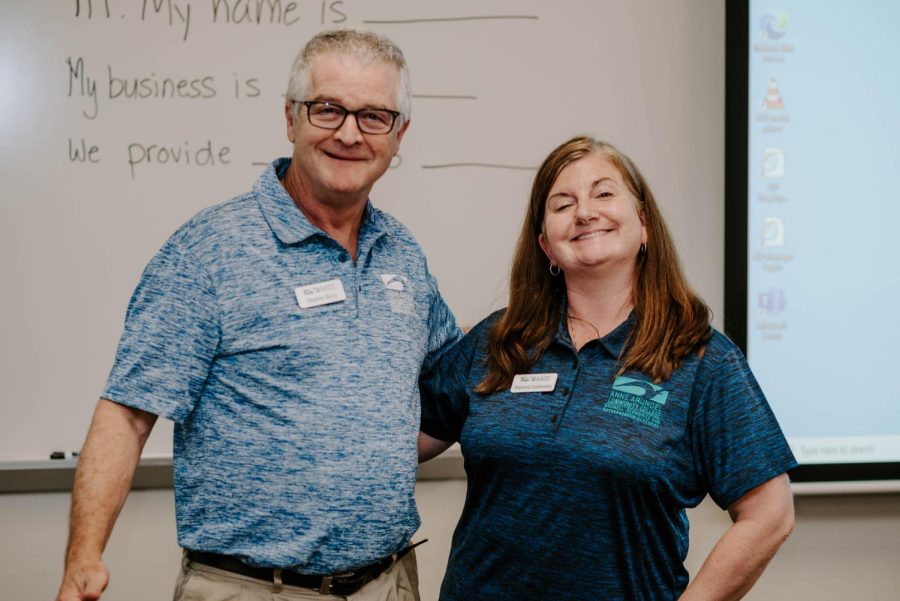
(323, 293)
(533, 383)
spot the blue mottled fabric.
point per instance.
(295, 435)
(580, 493)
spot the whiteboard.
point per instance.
(122, 118)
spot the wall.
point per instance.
(843, 547)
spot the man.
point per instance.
(284, 332)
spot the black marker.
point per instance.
(64, 455)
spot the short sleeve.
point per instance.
(738, 444)
(445, 392)
(443, 332)
(170, 337)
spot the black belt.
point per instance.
(343, 584)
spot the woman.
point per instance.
(598, 406)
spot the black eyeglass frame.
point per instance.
(309, 103)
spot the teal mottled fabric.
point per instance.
(579, 493)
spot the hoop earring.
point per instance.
(554, 273)
(643, 248)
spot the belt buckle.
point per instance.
(333, 581)
(345, 583)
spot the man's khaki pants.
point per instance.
(198, 582)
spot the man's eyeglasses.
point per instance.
(329, 115)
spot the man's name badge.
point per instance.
(533, 383)
(323, 293)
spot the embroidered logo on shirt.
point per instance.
(638, 400)
(399, 293)
(392, 281)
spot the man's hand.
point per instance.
(107, 463)
(83, 581)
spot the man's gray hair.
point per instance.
(365, 46)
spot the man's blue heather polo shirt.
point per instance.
(295, 435)
(580, 493)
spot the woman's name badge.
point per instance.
(533, 383)
(323, 293)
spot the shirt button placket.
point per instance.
(354, 291)
(566, 393)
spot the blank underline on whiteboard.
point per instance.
(448, 166)
(447, 96)
(486, 165)
(448, 19)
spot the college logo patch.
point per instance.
(392, 281)
(636, 399)
(399, 293)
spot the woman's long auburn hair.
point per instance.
(671, 321)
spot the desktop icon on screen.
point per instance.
(773, 163)
(773, 25)
(771, 302)
(772, 232)
(773, 99)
